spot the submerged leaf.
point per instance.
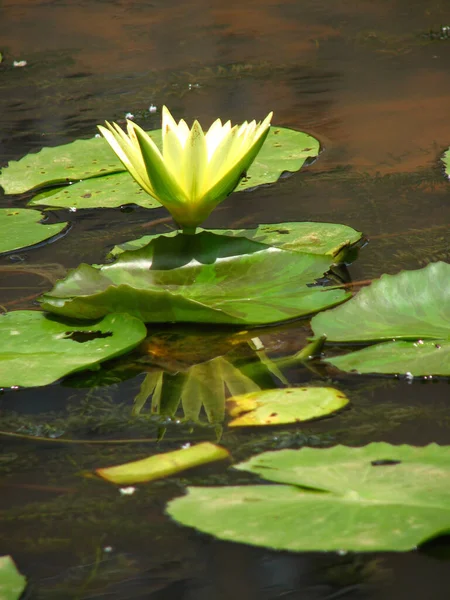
(164, 465)
(378, 497)
(280, 406)
(20, 228)
(37, 349)
(201, 278)
(12, 583)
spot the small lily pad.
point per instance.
(37, 349)
(201, 278)
(412, 308)
(374, 498)
(280, 406)
(163, 465)
(20, 228)
(12, 583)
(314, 238)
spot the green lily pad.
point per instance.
(12, 583)
(412, 305)
(378, 497)
(20, 228)
(109, 191)
(315, 238)
(281, 406)
(37, 349)
(418, 359)
(409, 305)
(76, 161)
(285, 150)
(201, 278)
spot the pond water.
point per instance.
(370, 80)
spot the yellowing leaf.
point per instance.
(163, 465)
(288, 405)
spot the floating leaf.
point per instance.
(164, 465)
(409, 305)
(109, 191)
(378, 497)
(314, 238)
(284, 150)
(20, 228)
(38, 350)
(203, 278)
(79, 160)
(414, 358)
(287, 405)
(413, 305)
(12, 583)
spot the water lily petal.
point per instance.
(130, 157)
(228, 181)
(167, 190)
(215, 134)
(194, 164)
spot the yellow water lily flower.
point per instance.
(195, 170)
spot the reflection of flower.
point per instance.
(202, 386)
(195, 170)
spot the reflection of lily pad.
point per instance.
(12, 583)
(379, 497)
(280, 406)
(202, 278)
(20, 228)
(37, 350)
(284, 150)
(413, 306)
(315, 238)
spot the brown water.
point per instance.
(371, 83)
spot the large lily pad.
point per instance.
(379, 497)
(203, 278)
(315, 238)
(413, 306)
(109, 191)
(20, 228)
(76, 161)
(12, 583)
(285, 150)
(38, 350)
(286, 405)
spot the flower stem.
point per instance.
(188, 230)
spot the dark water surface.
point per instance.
(372, 84)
